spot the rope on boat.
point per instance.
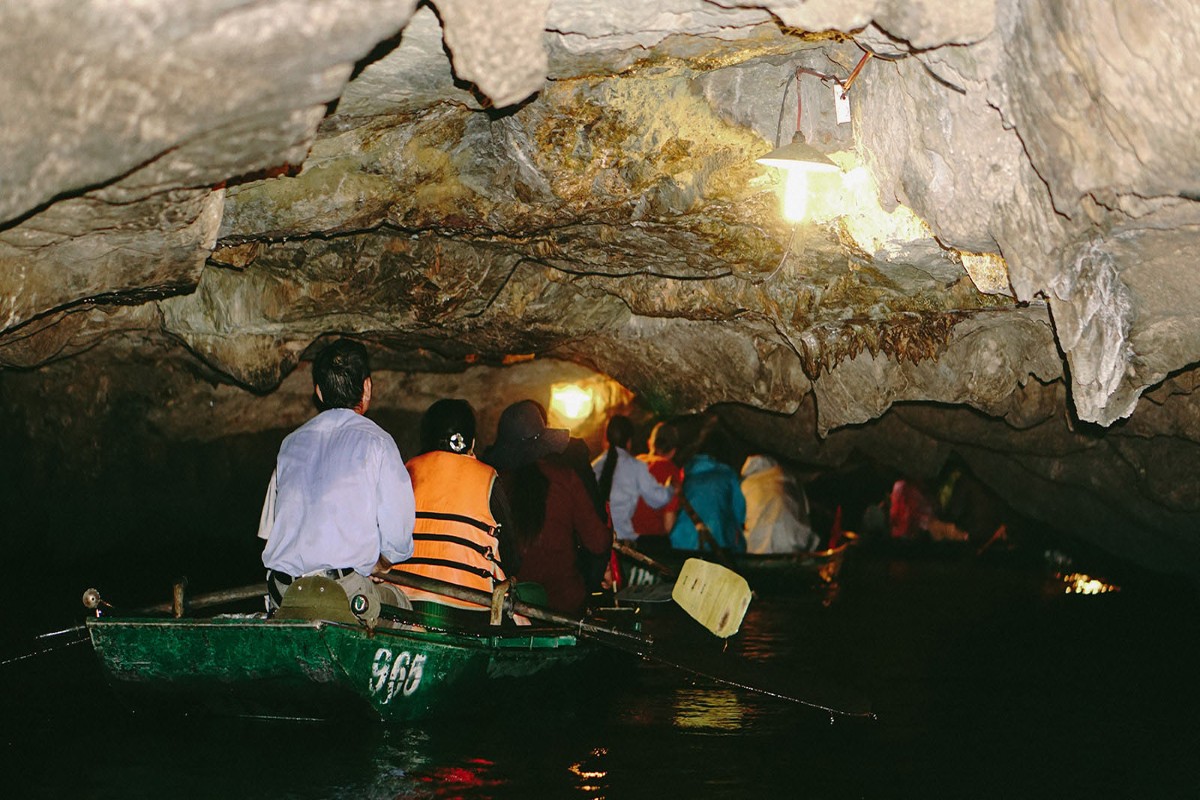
(51, 649)
(71, 629)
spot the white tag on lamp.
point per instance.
(841, 104)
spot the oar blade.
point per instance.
(713, 595)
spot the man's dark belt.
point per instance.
(286, 579)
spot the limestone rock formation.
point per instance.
(218, 186)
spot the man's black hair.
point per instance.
(664, 438)
(339, 371)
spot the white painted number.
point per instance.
(392, 675)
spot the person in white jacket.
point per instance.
(777, 518)
(624, 480)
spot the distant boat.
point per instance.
(772, 572)
(807, 567)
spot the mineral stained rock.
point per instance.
(218, 186)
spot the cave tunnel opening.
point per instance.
(103, 474)
(952, 641)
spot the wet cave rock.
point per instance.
(998, 273)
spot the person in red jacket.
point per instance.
(652, 525)
(554, 518)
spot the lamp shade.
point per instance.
(799, 155)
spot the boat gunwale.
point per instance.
(540, 638)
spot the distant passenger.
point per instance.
(711, 495)
(577, 456)
(653, 525)
(462, 517)
(556, 524)
(777, 518)
(624, 480)
(340, 503)
(911, 510)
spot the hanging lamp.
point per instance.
(799, 154)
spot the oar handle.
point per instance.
(453, 590)
(92, 599)
(638, 555)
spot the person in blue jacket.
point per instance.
(711, 492)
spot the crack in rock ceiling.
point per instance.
(1017, 205)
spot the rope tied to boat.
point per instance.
(51, 649)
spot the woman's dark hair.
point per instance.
(527, 489)
(339, 371)
(716, 442)
(448, 424)
(664, 438)
(618, 434)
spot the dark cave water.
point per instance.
(988, 681)
(987, 678)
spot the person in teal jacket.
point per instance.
(713, 490)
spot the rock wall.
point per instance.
(221, 185)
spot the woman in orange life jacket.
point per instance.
(462, 526)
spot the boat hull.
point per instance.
(772, 573)
(251, 666)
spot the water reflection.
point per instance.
(709, 709)
(1079, 583)
(458, 780)
(591, 774)
(971, 668)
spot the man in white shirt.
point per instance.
(340, 502)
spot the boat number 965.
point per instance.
(400, 674)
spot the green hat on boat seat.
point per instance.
(316, 597)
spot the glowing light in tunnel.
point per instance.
(797, 160)
(1078, 583)
(795, 195)
(571, 401)
(852, 198)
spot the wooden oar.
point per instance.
(92, 599)
(704, 536)
(622, 640)
(714, 596)
(637, 555)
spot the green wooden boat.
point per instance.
(319, 662)
(315, 669)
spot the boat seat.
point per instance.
(316, 597)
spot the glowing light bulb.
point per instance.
(795, 195)
(571, 401)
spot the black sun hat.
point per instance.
(522, 437)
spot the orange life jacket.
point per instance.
(454, 539)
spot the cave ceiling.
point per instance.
(1013, 232)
